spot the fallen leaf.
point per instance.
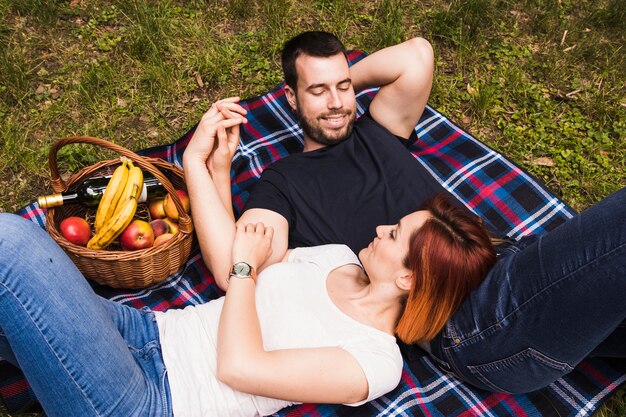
(199, 80)
(55, 93)
(543, 161)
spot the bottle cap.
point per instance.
(52, 200)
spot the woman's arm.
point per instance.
(206, 163)
(321, 375)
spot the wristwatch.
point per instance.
(241, 270)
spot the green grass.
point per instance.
(539, 80)
(542, 81)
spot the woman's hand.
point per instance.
(217, 135)
(253, 244)
(220, 159)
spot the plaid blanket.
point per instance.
(503, 194)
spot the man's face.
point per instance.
(325, 103)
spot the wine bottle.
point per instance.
(89, 192)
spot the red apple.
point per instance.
(159, 227)
(156, 209)
(170, 208)
(172, 224)
(163, 238)
(138, 235)
(76, 230)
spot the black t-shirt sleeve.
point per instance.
(269, 194)
(407, 142)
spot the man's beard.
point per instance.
(316, 133)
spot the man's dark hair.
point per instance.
(314, 43)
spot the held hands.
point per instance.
(253, 244)
(217, 135)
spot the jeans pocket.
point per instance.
(522, 372)
(145, 352)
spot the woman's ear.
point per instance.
(291, 97)
(405, 281)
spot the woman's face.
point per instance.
(383, 257)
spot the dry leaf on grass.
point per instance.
(543, 161)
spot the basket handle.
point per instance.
(58, 185)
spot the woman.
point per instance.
(318, 327)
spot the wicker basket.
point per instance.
(117, 268)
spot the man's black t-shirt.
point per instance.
(340, 193)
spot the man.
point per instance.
(353, 175)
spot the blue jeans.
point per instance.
(549, 302)
(83, 355)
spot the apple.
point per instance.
(170, 208)
(159, 227)
(138, 235)
(163, 238)
(172, 224)
(76, 230)
(156, 209)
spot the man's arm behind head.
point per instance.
(404, 73)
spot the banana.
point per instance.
(133, 186)
(135, 175)
(112, 194)
(120, 216)
(115, 225)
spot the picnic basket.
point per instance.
(117, 268)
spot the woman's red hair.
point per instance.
(449, 256)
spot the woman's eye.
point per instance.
(391, 233)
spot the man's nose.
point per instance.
(334, 101)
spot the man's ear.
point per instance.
(405, 281)
(291, 97)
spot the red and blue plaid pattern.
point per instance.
(496, 189)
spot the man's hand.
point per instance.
(216, 137)
(228, 139)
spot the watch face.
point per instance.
(242, 268)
